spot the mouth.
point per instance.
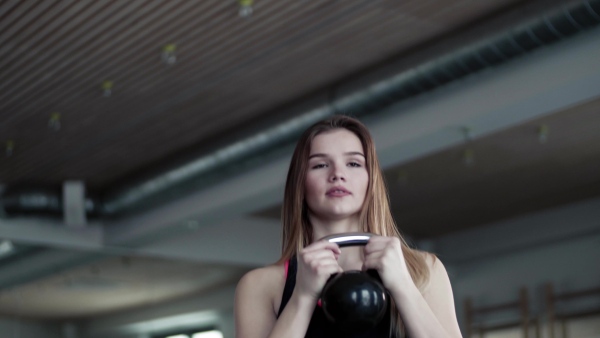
(337, 191)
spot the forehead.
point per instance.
(336, 141)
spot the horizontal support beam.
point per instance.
(250, 242)
(42, 264)
(522, 233)
(51, 233)
(243, 242)
(258, 189)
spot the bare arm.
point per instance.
(432, 313)
(253, 308)
(429, 314)
(255, 316)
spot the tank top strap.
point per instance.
(290, 282)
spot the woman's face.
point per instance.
(337, 178)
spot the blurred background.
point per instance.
(144, 146)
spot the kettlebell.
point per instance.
(354, 300)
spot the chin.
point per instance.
(340, 215)
(335, 213)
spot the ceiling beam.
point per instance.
(510, 236)
(240, 241)
(48, 262)
(51, 233)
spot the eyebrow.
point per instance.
(351, 153)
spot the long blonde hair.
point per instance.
(375, 215)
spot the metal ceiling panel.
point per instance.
(230, 71)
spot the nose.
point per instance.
(337, 173)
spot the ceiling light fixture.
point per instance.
(192, 224)
(402, 177)
(469, 153)
(208, 334)
(246, 8)
(10, 147)
(168, 55)
(469, 157)
(107, 88)
(54, 121)
(543, 132)
(6, 248)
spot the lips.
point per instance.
(337, 192)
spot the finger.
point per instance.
(324, 271)
(373, 261)
(376, 238)
(336, 255)
(320, 245)
(381, 243)
(329, 269)
(375, 246)
(318, 252)
(318, 256)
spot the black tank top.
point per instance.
(320, 326)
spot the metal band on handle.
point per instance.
(349, 238)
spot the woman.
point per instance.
(335, 185)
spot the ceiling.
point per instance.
(235, 77)
(513, 173)
(533, 166)
(56, 56)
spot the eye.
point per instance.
(354, 164)
(318, 166)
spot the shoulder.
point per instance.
(428, 269)
(263, 279)
(438, 275)
(438, 294)
(263, 284)
(256, 296)
(432, 261)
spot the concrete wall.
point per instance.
(559, 246)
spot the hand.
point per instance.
(384, 254)
(316, 263)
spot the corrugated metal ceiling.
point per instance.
(230, 71)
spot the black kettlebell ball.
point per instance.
(354, 300)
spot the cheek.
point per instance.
(364, 182)
(310, 192)
(309, 185)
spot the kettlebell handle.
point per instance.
(349, 238)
